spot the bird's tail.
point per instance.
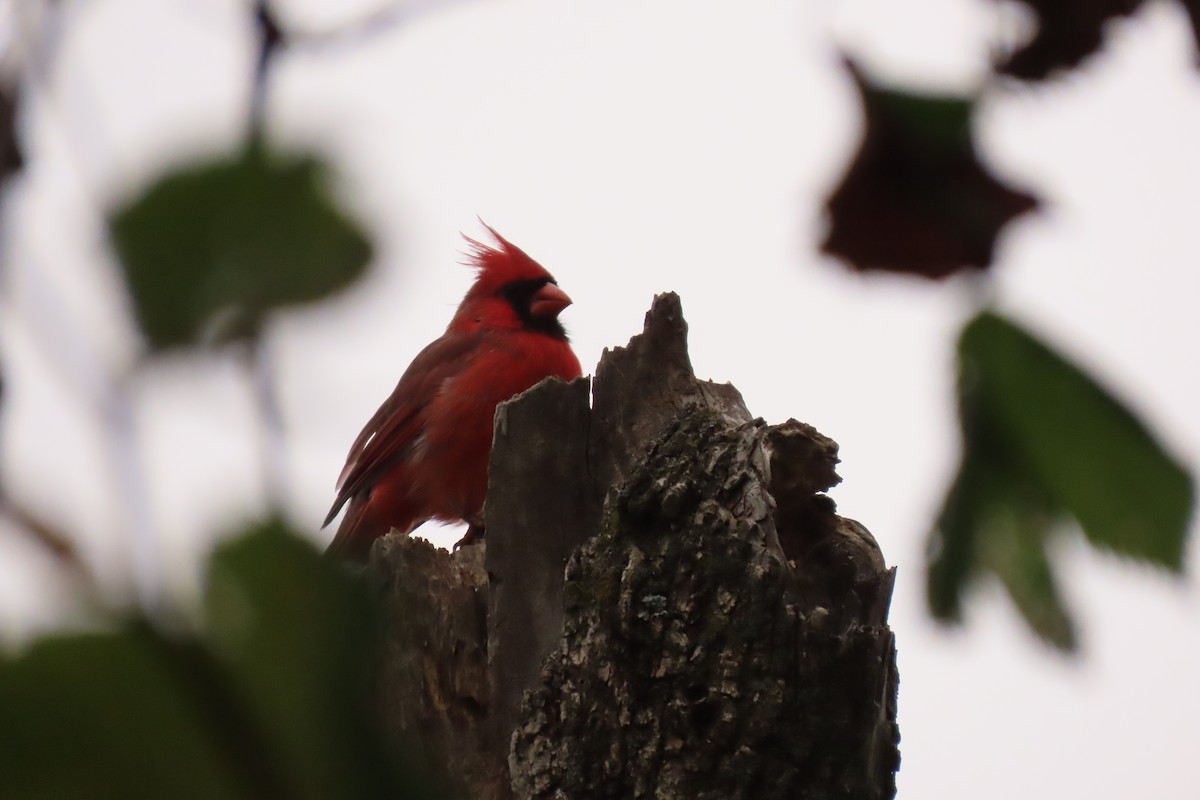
(360, 528)
(354, 538)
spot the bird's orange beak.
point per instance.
(548, 302)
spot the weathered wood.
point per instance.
(641, 388)
(721, 632)
(433, 681)
(540, 507)
(696, 661)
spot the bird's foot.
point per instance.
(474, 535)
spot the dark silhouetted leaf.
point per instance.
(271, 702)
(208, 251)
(1070, 31)
(916, 199)
(1043, 443)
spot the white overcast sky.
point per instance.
(635, 147)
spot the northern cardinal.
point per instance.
(424, 455)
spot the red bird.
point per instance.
(424, 455)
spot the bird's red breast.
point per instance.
(424, 454)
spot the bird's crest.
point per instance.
(500, 265)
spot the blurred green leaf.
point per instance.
(1091, 455)
(951, 557)
(995, 520)
(104, 715)
(1015, 549)
(1043, 443)
(297, 635)
(208, 251)
(272, 701)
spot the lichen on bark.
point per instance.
(692, 664)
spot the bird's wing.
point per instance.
(390, 433)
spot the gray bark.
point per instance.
(673, 607)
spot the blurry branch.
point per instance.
(259, 218)
(65, 345)
(134, 495)
(62, 345)
(271, 39)
(54, 541)
(272, 447)
(41, 531)
(365, 27)
(276, 36)
(273, 441)
(11, 159)
(273, 452)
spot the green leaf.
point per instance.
(995, 520)
(1015, 549)
(104, 715)
(272, 701)
(296, 634)
(1090, 454)
(208, 251)
(950, 555)
(1043, 443)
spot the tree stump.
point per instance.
(669, 605)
